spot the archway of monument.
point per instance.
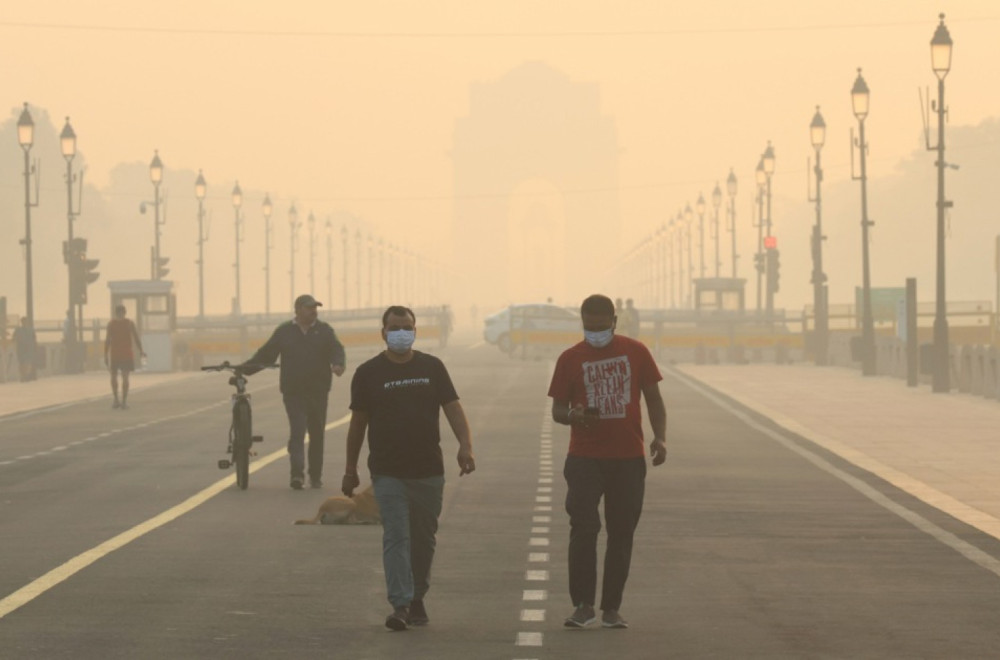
(536, 242)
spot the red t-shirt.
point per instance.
(119, 337)
(610, 379)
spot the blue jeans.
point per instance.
(306, 412)
(409, 510)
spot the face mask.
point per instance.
(599, 339)
(400, 341)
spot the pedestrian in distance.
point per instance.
(310, 356)
(596, 389)
(118, 338)
(396, 397)
(630, 320)
(26, 346)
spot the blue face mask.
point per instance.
(400, 341)
(599, 338)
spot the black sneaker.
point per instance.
(612, 619)
(418, 615)
(582, 617)
(397, 620)
(296, 483)
(315, 482)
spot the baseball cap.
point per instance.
(305, 300)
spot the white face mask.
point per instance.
(400, 341)
(600, 338)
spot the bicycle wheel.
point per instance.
(242, 439)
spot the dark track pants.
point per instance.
(306, 413)
(622, 484)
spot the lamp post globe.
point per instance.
(941, 50)
(860, 97)
(67, 141)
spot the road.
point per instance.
(754, 543)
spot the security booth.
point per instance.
(152, 306)
(719, 294)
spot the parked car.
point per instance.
(540, 323)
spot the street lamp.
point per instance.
(859, 102)
(941, 64)
(357, 263)
(716, 203)
(293, 225)
(67, 143)
(200, 189)
(371, 270)
(817, 135)
(25, 137)
(267, 209)
(311, 220)
(760, 177)
(731, 191)
(237, 203)
(700, 207)
(689, 226)
(156, 177)
(767, 160)
(329, 260)
(343, 238)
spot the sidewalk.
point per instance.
(940, 448)
(62, 390)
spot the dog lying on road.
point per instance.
(361, 509)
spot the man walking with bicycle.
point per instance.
(310, 354)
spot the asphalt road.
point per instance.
(753, 543)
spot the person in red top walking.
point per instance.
(118, 343)
(595, 389)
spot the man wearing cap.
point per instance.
(310, 352)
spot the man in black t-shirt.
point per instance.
(396, 397)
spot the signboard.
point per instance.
(770, 242)
(886, 301)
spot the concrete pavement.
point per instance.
(939, 448)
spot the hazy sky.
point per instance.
(353, 105)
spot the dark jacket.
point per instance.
(306, 357)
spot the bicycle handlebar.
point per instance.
(225, 366)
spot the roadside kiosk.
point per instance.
(152, 306)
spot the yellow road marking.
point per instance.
(37, 587)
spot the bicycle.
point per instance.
(241, 436)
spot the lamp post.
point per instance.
(329, 260)
(293, 225)
(371, 270)
(381, 271)
(689, 226)
(200, 189)
(761, 179)
(156, 177)
(731, 191)
(343, 239)
(357, 263)
(716, 203)
(941, 64)
(311, 221)
(26, 137)
(859, 102)
(700, 208)
(817, 135)
(67, 143)
(237, 203)
(267, 209)
(768, 162)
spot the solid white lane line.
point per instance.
(59, 574)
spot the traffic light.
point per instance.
(161, 268)
(81, 270)
(758, 261)
(773, 270)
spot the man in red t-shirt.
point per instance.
(118, 342)
(595, 390)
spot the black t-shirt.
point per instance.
(403, 402)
